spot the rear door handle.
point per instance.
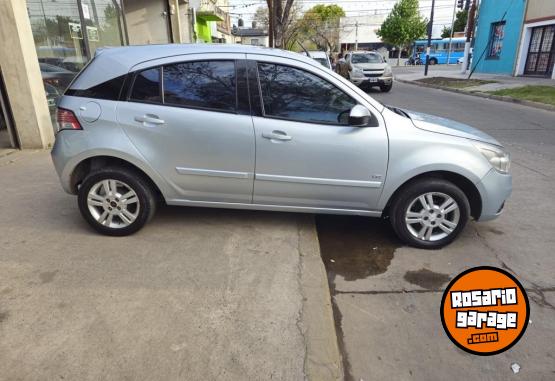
(277, 135)
(149, 119)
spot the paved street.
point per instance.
(200, 294)
(216, 294)
(387, 297)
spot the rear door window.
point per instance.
(201, 84)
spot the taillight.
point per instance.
(67, 120)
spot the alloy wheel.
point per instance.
(432, 216)
(113, 203)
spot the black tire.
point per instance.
(131, 178)
(386, 88)
(412, 191)
(433, 61)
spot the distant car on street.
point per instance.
(321, 57)
(368, 69)
(241, 127)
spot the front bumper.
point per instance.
(372, 81)
(495, 188)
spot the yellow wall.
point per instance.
(21, 73)
(538, 9)
(145, 23)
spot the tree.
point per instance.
(403, 25)
(459, 24)
(460, 21)
(261, 18)
(320, 25)
(279, 17)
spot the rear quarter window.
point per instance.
(146, 86)
(109, 90)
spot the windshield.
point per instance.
(367, 58)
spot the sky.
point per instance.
(443, 9)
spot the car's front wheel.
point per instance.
(429, 213)
(116, 201)
(386, 88)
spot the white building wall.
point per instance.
(367, 28)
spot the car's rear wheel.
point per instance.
(116, 201)
(433, 61)
(429, 213)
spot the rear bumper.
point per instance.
(372, 81)
(60, 159)
(495, 188)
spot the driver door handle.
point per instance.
(276, 135)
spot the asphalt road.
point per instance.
(387, 297)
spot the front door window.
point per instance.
(297, 95)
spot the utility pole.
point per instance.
(356, 35)
(430, 27)
(270, 23)
(469, 33)
(452, 32)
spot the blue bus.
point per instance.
(439, 50)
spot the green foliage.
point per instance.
(326, 12)
(460, 21)
(320, 26)
(403, 25)
(541, 94)
(446, 32)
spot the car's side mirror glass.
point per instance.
(359, 116)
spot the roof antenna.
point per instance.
(306, 51)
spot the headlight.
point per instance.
(387, 72)
(357, 72)
(498, 158)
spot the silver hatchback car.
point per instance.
(233, 126)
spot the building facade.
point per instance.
(537, 46)
(46, 42)
(359, 32)
(498, 34)
(516, 38)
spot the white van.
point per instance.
(320, 57)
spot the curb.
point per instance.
(323, 360)
(482, 95)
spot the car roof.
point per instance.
(112, 62)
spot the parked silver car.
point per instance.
(254, 128)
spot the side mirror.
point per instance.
(359, 116)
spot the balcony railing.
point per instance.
(209, 11)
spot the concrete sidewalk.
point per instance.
(414, 73)
(198, 294)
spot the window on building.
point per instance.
(208, 84)
(67, 37)
(146, 87)
(254, 41)
(296, 94)
(496, 40)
